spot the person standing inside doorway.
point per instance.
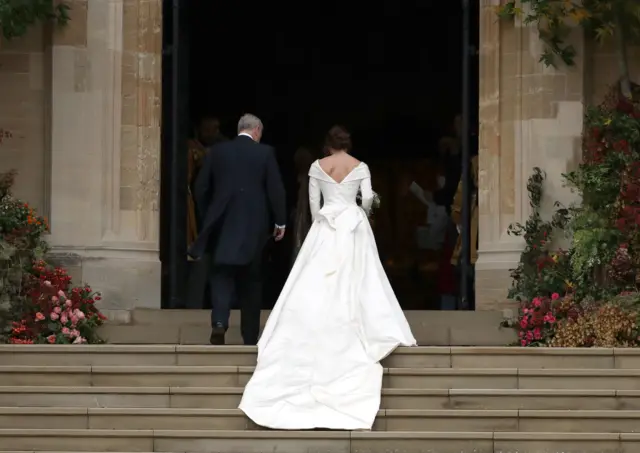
(450, 156)
(241, 187)
(206, 134)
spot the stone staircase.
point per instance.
(168, 398)
(430, 328)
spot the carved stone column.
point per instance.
(530, 115)
(106, 90)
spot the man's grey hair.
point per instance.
(248, 122)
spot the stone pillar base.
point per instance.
(126, 279)
(493, 280)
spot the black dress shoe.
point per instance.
(217, 335)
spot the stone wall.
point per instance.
(530, 115)
(107, 88)
(24, 96)
(83, 103)
(603, 70)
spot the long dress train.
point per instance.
(336, 318)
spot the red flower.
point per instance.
(625, 106)
(41, 289)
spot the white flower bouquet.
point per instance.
(375, 203)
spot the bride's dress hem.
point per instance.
(319, 355)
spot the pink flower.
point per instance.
(74, 320)
(66, 331)
(60, 293)
(55, 299)
(79, 340)
(525, 311)
(51, 339)
(54, 316)
(551, 319)
(537, 302)
(67, 304)
(63, 318)
(39, 316)
(523, 323)
(58, 310)
(47, 283)
(529, 335)
(536, 333)
(78, 314)
(523, 342)
(75, 333)
(555, 296)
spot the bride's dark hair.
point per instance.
(337, 139)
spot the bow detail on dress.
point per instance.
(344, 219)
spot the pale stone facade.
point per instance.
(530, 115)
(84, 106)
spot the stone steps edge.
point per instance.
(226, 369)
(274, 434)
(240, 349)
(416, 413)
(177, 390)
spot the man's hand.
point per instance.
(278, 233)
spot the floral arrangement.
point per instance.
(588, 295)
(38, 303)
(375, 204)
(58, 313)
(21, 232)
(20, 224)
(542, 270)
(538, 319)
(605, 258)
(566, 322)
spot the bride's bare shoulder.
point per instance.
(339, 165)
(352, 160)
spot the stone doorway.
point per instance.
(426, 98)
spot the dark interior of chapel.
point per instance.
(391, 74)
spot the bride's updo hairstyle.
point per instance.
(337, 139)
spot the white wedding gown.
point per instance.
(336, 318)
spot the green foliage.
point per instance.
(20, 244)
(604, 258)
(541, 270)
(17, 16)
(555, 19)
(605, 226)
(38, 304)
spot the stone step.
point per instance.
(387, 419)
(403, 357)
(231, 376)
(70, 440)
(430, 328)
(229, 398)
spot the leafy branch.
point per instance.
(603, 19)
(540, 270)
(17, 16)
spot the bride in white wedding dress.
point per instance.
(337, 316)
